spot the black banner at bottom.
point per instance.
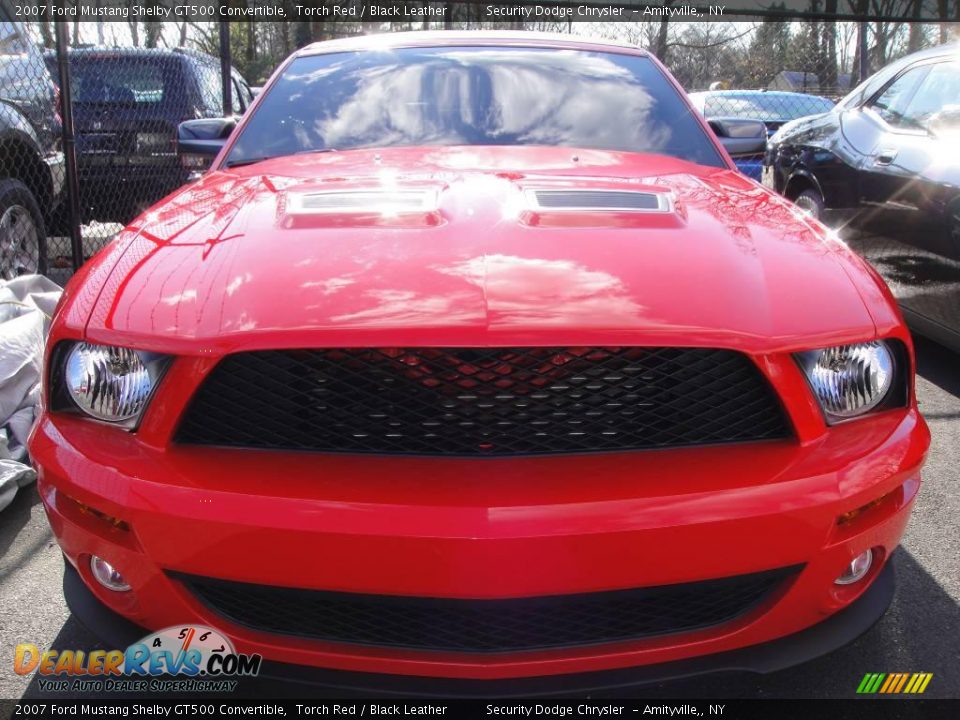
(872, 709)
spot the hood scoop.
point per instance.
(599, 200)
(414, 207)
(362, 201)
(571, 207)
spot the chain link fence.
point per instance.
(124, 103)
(123, 88)
(31, 161)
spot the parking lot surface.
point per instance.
(920, 632)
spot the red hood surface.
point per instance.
(230, 260)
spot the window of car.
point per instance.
(121, 80)
(246, 91)
(768, 107)
(241, 96)
(868, 88)
(891, 104)
(237, 105)
(211, 88)
(939, 88)
(473, 96)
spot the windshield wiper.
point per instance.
(251, 161)
(248, 161)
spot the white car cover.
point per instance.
(26, 306)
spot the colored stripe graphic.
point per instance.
(894, 683)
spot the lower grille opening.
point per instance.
(487, 626)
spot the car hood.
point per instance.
(450, 246)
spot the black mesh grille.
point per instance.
(488, 401)
(487, 625)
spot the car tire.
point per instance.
(23, 239)
(811, 202)
(60, 224)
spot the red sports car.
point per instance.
(473, 363)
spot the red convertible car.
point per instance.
(472, 363)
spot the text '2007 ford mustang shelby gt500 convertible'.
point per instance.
(472, 360)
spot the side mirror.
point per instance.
(199, 141)
(740, 136)
(945, 122)
(205, 137)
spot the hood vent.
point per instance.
(605, 200)
(362, 201)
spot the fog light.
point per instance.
(857, 568)
(107, 575)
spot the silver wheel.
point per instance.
(810, 202)
(19, 243)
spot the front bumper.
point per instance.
(483, 529)
(143, 179)
(844, 627)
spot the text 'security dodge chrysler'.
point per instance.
(473, 362)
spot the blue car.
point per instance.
(773, 108)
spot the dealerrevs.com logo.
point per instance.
(189, 658)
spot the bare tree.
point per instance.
(661, 45)
(829, 51)
(75, 39)
(916, 40)
(153, 29)
(251, 50)
(46, 30)
(943, 13)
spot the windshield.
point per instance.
(473, 96)
(123, 81)
(765, 107)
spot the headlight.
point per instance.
(111, 383)
(850, 380)
(148, 143)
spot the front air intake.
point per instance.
(362, 201)
(482, 625)
(606, 200)
(483, 401)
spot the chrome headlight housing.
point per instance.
(109, 383)
(851, 380)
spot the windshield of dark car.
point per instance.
(121, 81)
(473, 96)
(765, 107)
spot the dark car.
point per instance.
(889, 156)
(772, 108)
(127, 104)
(31, 161)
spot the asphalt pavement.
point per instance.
(919, 633)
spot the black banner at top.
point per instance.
(374, 11)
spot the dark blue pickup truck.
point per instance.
(127, 104)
